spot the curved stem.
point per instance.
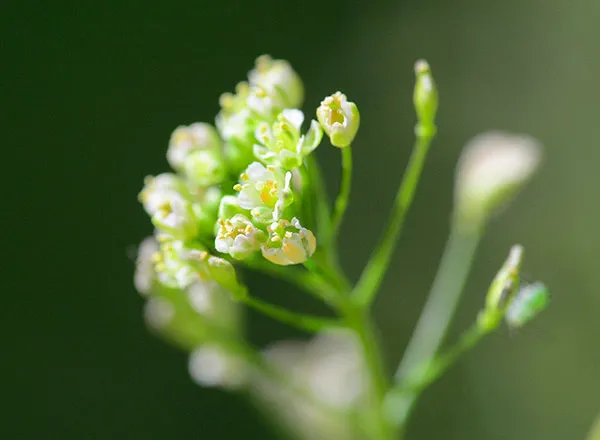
(372, 275)
(437, 314)
(309, 323)
(341, 203)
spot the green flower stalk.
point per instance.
(249, 194)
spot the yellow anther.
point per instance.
(237, 187)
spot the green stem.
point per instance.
(341, 203)
(403, 395)
(594, 434)
(373, 274)
(303, 322)
(437, 314)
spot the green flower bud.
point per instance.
(188, 139)
(223, 272)
(503, 289)
(491, 170)
(288, 243)
(279, 80)
(282, 145)
(339, 118)
(229, 207)
(425, 98)
(205, 168)
(238, 237)
(527, 304)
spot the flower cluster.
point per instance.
(241, 188)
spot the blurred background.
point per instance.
(90, 93)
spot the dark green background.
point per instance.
(90, 92)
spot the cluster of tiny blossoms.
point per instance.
(239, 189)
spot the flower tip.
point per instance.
(421, 66)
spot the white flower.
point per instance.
(281, 144)
(144, 267)
(264, 191)
(188, 139)
(492, 169)
(288, 243)
(238, 237)
(279, 80)
(167, 200)
(339, 118)
(212, 365)
(157, 189)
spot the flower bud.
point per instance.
(205, 168)
(527, 304)
(492, 169)
(288, 243)
(279, 80)
(425, 98)
(215, 305)
(188, 139)
(238, 237)
(339, 118)
(503, 289)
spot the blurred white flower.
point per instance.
(493, 167)
(212, 365)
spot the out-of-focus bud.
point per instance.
(215, 304)
(279, 80)
(205, 168)
(265, 191)
(282, 145)
(527, 304)
(425, 99)
(223, 272)
(158, 313)
(238, 237)
(492, 169)
(502, 290)
(339, 118)
(288, 243)
(188, 139)
(212, 365)
(144, 266)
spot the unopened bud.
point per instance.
(425, 98)
(503, 289)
